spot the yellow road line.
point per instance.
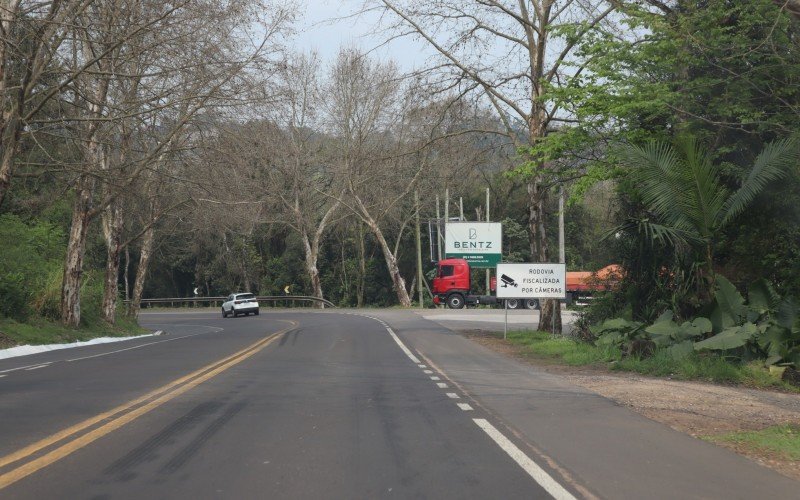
(194, 379)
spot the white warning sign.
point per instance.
(531, 281)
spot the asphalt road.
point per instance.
(333, 405)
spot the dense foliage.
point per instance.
(674, 146)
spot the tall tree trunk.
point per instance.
(311, 256)
(76, 248)
(112, 230)
(10, 135)
(146, 251)
(362, 267)
(537, 202)
(127, 272)
(398, 283)
(10, 127)
(141, 271)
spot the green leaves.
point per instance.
(772, 164)
(729, 338)
(730, 305)
(664, 332)
(681, 184)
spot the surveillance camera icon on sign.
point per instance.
(507, 281)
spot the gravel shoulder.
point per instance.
(699, 409)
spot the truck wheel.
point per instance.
(512, 303)
(531, 304)
(455, 301)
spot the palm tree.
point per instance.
(681, 188)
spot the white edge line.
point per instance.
(37, 367)
(134, 347)
(402, 346)
(532, 468)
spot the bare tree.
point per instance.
(185, 58)
(366, 102)
(509, 53)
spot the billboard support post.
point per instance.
(505, 325)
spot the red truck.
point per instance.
(451, 286)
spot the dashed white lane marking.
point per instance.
(537, 473)
(39, 365)
(427, 372)
(402, 345)
(1, 376)
(453, 395)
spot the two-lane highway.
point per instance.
(333, 404)
(288, 405)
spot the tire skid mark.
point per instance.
(190, 450)
(147, 451)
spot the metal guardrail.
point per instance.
(286, 300)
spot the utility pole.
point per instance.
(562, 252)
(438, 230)
(461, 208)
(446, 214)
(419, 253)
(488, 272)
(446, 209)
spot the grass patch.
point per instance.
(780, 440)
(41, 331)
(564, 349)
(706, 367)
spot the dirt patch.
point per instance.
(696, 408)
(6, 341)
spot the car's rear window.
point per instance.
(245, 296)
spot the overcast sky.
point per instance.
(326, 25)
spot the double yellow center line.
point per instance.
(119, 416)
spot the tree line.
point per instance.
(187, 138)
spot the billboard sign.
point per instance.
(531, 281)
(479, 243)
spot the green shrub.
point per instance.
(30, 252)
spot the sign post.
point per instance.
(531, 281)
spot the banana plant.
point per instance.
(766, 326)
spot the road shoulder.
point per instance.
(702, 410)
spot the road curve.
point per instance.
(360, 404)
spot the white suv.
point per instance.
(240, 303)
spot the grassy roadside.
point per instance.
(709, 368)
(41, 331)
(781, 441)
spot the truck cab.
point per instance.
(451, 287)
